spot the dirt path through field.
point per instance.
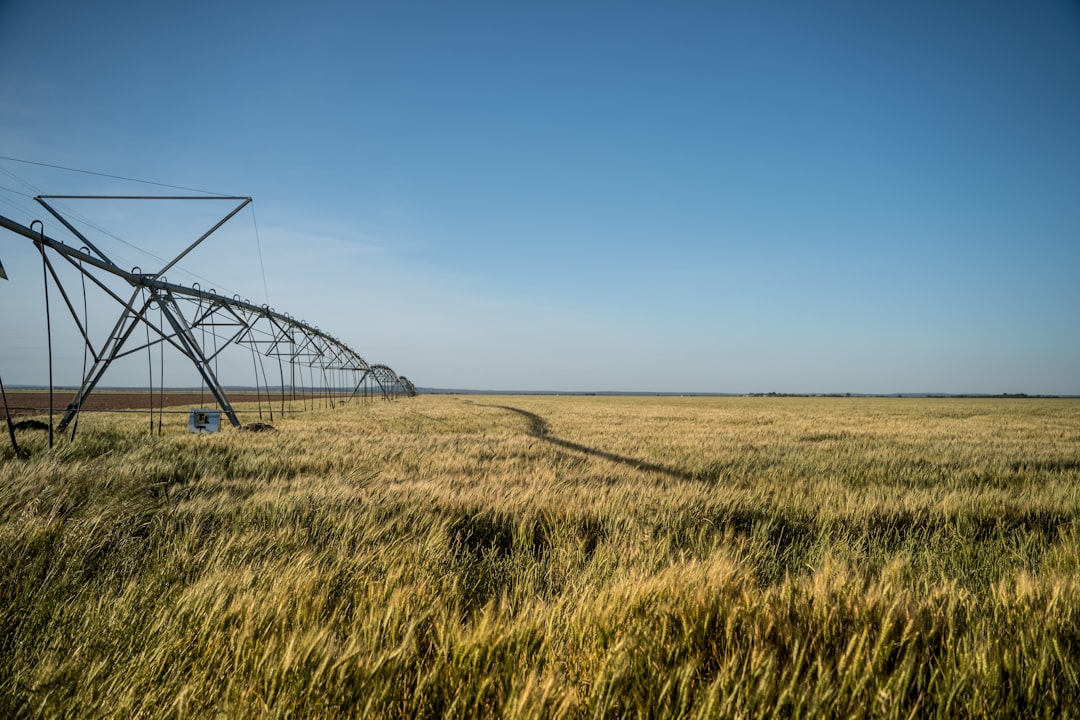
(538, 428)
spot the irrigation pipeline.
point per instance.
(260, 328)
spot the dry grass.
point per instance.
(552, 557)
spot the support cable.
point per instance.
(266, 384)
(292, 383)
(150, 370)
(48, 323)
(161, 369)
(7, 414)
(114, 177)
(86, 346)
(329, 388)
(258, 246)
(281, 379)
(303, 388)
(258, 393)
(292, 370)
(202, 329)
(213, 334)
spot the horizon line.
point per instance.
(614, 393)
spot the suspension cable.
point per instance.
(86, 347)
(213, 334)
(303, 388)
(114, 177)
(328, 387)
(48, 323)
(202, 345)
(266, 384)
(258, 393)
(258, 246)
(161, 368)
(7, 415)
(150, 370)
(281, 379)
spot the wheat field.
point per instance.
(551, 557)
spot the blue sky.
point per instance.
(698, 196)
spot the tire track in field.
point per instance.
(539, 429)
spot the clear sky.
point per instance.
(589, 196)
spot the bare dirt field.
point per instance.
(23, 403)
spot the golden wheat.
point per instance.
(542, 556)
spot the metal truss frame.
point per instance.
(186, 313)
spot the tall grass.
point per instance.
(552, 557)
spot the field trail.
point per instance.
(540, 429)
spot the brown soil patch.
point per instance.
(36, 402)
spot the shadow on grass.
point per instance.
(538, 428)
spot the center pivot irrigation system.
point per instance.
(184, 316)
